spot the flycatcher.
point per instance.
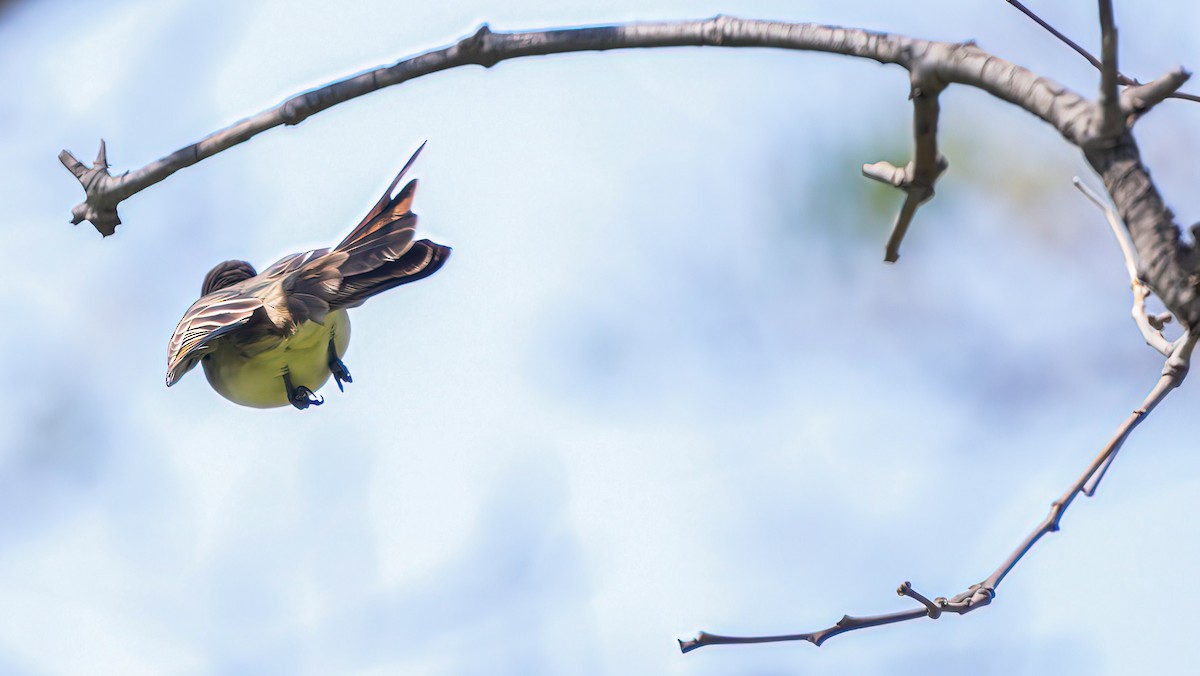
(274, 338)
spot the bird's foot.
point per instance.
(302, 397)
(341, 374)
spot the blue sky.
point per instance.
(664, 384)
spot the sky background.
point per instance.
(664, 384)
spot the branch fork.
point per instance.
(1138, 99)
(917, 178)
(1174, 370)
(981, 594)
(100, 207)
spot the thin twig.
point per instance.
(1110, 120)
(1152, 334)
(1121, 77)
(1054, 31)
(981, 594)
(1150, 327)
(1140, 98)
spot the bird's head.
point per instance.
(226, 274)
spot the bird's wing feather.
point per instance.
(292, 263)
(210, 317)
(308, 289)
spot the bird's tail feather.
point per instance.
(387, 209)
(379, 253)
(421, 260)
(387, 243)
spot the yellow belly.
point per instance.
(255, 377)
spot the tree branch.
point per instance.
(1110, 122)
(917, 178)
(981, 594)
(1171, 270)
(1151, 327)
(945, 62)
(484, 48)
(933, 65)
(1121, 77)
(1139, 99)
(1169, 265)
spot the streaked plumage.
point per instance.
(267, 338)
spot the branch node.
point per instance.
(714, 30)
(1159, 320)
(932, 608)
(1056, 511)
(78, 169)
(100, 188)
(478, 46)
(886, 172)
(1137, 100)
(101, 157)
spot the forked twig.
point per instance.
(1151, 327)
(981, 594)
(918, 177)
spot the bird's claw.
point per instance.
(341, 374)
(302, 397)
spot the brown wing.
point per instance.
(345, 277)
(210, 317)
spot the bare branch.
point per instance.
(1151, 327)
(1173, 372)
(932, 609)
(981, 594)
(1055, 32)
(950, 63)
(1118, 229)
(1170, 266)
(1110, 121)
(1172, 269)
(1122, 79)
(101, 211)
(847, 623)
(1139, 99)
(918, 177)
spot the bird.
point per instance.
(274, 338)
